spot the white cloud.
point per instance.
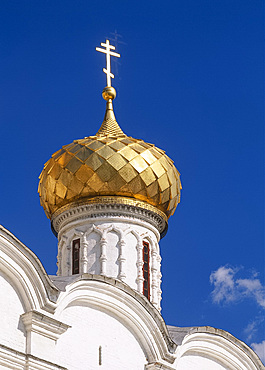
(253, 327)
(227, 288)
(252, 288)
(259, 348)
(224, 284)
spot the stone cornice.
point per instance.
(107, 209)
(44, 325)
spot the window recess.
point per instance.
(146, 270)
(75, 256)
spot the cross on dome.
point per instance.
(108, 51)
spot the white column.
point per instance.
(121, 259)
(68, 259)
(59, 259)
(62, 257)
(139, 265)
(103, 256)
(154, 275)
(83, 254)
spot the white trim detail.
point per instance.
(41, 324)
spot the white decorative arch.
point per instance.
(131, 309)
(65, 251)
(26, 274)
(112, 228)
(153, 243)
(217, 346)
(129, 230)
(91, 229)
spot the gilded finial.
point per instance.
(109, 93)
(109, 126)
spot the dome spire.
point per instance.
(109, 125)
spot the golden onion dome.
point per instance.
(110, 165)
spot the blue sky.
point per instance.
(189, 80)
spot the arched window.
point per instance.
(146, 270)
(75, 256)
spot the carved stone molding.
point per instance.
(44, 325)
(108, 210)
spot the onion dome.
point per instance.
(113, 166)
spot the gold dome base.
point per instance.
(116, 206)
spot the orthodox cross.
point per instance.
(108, 53)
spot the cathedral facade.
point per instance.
(109, 197)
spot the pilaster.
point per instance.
(42, 331)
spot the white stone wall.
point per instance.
(113, 248)
(92, 332)
(12, 331)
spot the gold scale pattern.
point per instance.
(109, 164)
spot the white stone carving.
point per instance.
(109, 211)
(117, 256)
(122, 260)
(38, 323)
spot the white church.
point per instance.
(109, 197)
